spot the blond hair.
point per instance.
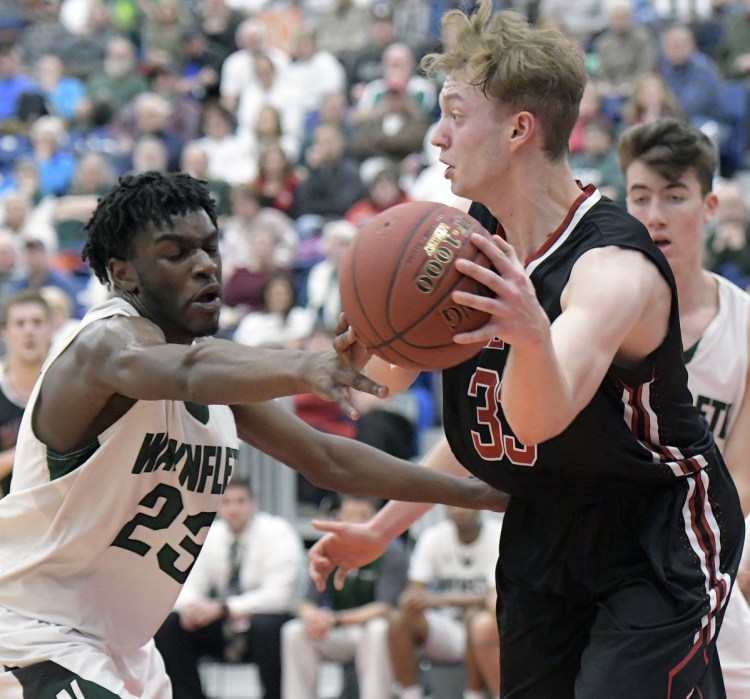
(517, 65)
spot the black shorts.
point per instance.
(618, 600)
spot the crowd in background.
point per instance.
(306, 119)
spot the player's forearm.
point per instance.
(395, 377)
(535, 395)
(396, 517)
(223, 372)
(347, 466)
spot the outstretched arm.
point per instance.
(348, 466)
(117, 361)
(347, 546)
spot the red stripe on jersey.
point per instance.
(552, 239)
(643, 423)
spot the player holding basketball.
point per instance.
(129, 440)
(623, 532)
(669, 168)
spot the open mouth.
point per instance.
(209, 299)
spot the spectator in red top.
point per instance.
(383, 191)
(277, 179)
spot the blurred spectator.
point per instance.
(90, 22)
(270, 131)
(365, 64)
(280, 323)
(323, 296)
(332, 183)
(727, 247)
(651, 99)
(52, 156)
(194, 161)
(277, 179)
(150, 115)
(626, 51)
(343, 29)
(14, 85)
(149, 153)
(394, 129)
(334, 109)
(693, 78)
(448, 573)
(483, 650)
(200, 66)
(92, 179)
(118, 81)
(269, 89)
(94, 132)
(185, 111)
(398, 76)
(243, 587)
(581, 19)
(44, 33)
(19, 215)
(412, 21)
(231, 156)
(218, 22)
(9, 255)
(247, 213)
(245, 284)
(383, 191)
(734, 51)
(62, 93)
(313, 72)
(238, 70)
(347, 624)
(26, 334)
(389, 424)
(38, 272)
(597, 163)
(589, 109)
(164, 22)
(61, 315)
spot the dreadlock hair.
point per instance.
(132, 205)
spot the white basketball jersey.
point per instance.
(717, 375)
(101, 540)
(717, 372)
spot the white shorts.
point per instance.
(58, 661)
(446, 638)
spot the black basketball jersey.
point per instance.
(639, 430)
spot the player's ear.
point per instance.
(522, 128)
(711, 203)
(122, 274)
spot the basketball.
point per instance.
(396, 280)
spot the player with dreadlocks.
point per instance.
(129, 440)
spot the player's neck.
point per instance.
(20, 377)
(698, 296)
(536, 211)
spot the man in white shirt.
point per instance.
(244, 586)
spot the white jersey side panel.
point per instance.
(717, 374)
(101, 541)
